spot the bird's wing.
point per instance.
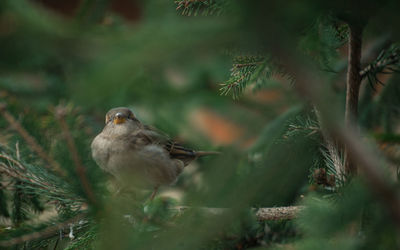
(177, 151)
(149, 135)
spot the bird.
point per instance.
(139, 155)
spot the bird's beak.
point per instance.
(119, 118)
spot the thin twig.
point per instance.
(79, 168)
(30, 140)
(17, 150)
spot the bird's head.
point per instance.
(121, 117)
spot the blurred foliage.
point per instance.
(206, 8)
(170, 66)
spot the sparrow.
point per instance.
(137, 154)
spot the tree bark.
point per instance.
(353, 82)
(278, 213)
(262, 214)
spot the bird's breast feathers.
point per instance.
(125, 159)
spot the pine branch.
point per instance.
(242, 65)
(21, 174)
(322, 41)
(10, 159)
(309, 87)
(79, 168)
(303, 126)
(200, 7)
(332, 157)
(262, 214)
(249, 70)
(387, 62)
(45, 233)
(36, 180)
(31, 141)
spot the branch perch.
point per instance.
(278, 213)
(262, 214)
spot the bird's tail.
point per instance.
(205, 153)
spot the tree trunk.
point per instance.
(353, 88)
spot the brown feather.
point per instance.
(150, 135)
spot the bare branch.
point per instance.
(278, 213)
(262, 214)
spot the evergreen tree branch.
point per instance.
(332, 147)
(31, 179)
(10, 159)
(262, 214)
(369, 165)
(79, 168)
(387, 59)
(19, 176)
(45, 233)
(250, 70)
(242, 65)
(14, 174)
(202, 7)
(31, 141)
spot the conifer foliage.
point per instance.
(300, 97)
